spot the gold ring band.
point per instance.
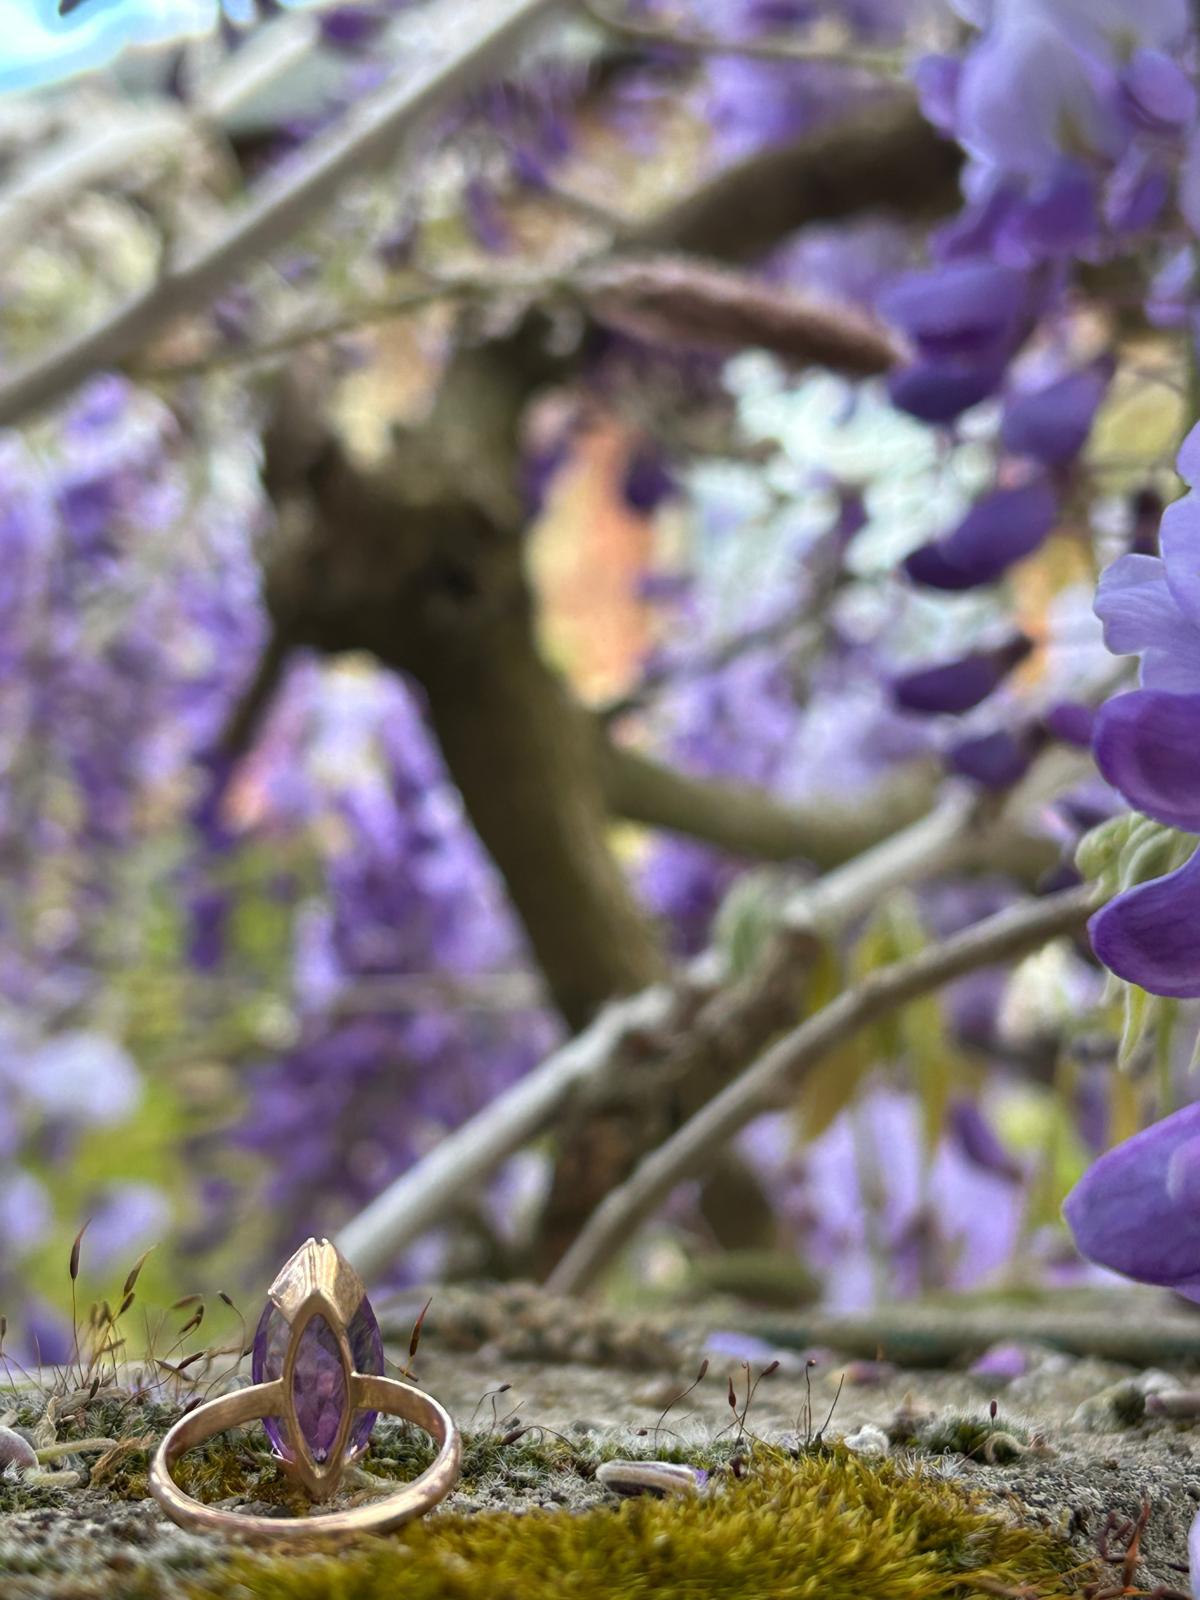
(366, 1393)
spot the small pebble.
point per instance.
(1174, 1403)
(648, 1477)
(868, 1441)
(16, 1451)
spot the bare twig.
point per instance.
(670, 299)
(148, 135)
(686, 302)
(419, 1199)
(369, 137)
(749, 821)
(457, 1165)
(688, 42)
(882, 156)
(1012, 932)
(367, 313)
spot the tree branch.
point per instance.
(749, 822)
(590, 1065)
(423, 564)
(668, 299)
(775, 1075)
(367, 139)
(151, 131)
(1135, 1326)
(885, 158)
(664, 36)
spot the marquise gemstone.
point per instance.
(318, 1382)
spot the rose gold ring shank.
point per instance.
(318, 1385)
(366, 1393)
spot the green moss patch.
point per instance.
(827, 1527)
(980, 1438)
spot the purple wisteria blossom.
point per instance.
(995, 760)
(947, 1219)
(1134, 1210)
(1051, 424)
(1080, 123)
(965, 319)
(380, 1068)
(1000, 529)
(1147, 742)
(1079, 119)
(751, 103)
(960, 684)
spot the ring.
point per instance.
(318, 1386)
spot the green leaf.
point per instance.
(747, 918)
(1139, 1013)
(1131, 849)
(917, 1031)
(1098, 853)
(831, 1086)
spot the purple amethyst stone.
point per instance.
(318, 1382)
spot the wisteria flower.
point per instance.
(1051, 424)
(965, 320)
(84, 1078)
(1001, 528)
(961, 684)
(1079, 119)
(1023, 87)
(1147, 742)
(1134, 1210)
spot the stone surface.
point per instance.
(87, 1544)
(319, 1384)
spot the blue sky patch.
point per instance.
(41, 47)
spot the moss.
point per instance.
(235, 1465)
(1128, 1403)
(982, 1438)
(829, 1526)
(534, 1458)
(19, 1494)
